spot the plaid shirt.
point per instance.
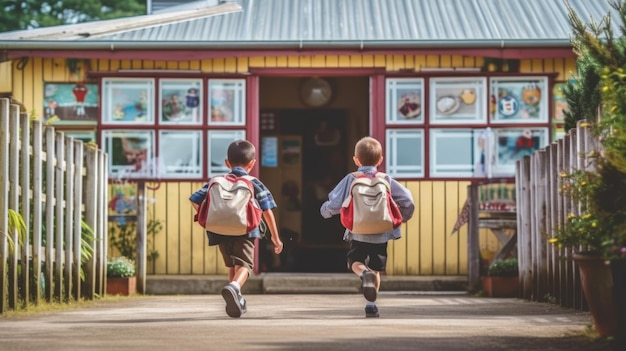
(261, 193)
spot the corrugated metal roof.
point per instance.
(335, 21)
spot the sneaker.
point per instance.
(371, 311)
(244, 305)
(369, 285)
(231, 294)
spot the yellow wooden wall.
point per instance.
(427, 247)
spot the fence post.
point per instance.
(473, 247)
(37, 226)
(4, 200)
(51, 232)
(523, 228)
(91, 207)
(14, 156)
(25, 189)
(68, 230)
(59, 222)
(78, 217)
(141, 237)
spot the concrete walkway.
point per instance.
(409, 321)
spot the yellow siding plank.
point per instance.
(469, 62)
(368, 60)
(525, 66)
(462, 234)
(195, 65)
(184, 65)
(457, 61)
(37, 87)
(318, 61)
(398, 62)
(48, 69)
(332, 61)
(281, 61)
(148, 64)
(344, 61)
(241, 65)
(439, 228)
(207, 66)
(380, 60)
(293, 61)
(445, 61)
(452, 210)
(126, 64)
(537, 65)
(389, 64)
(479, 62)
(559, 67)
(413, 233)
(426, 228)
(173, 65)
(432, 61)
(18, 85)
(548, 65)
(137, 64)
(420, 62)
(115, 65)
(305, 61)
(102, 65)
(257, 61)
(356, 61)
(219, 65)
(171, 230)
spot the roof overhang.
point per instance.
(182, 51)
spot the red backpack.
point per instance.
(369, 208)
(230, 207)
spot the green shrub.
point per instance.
(120, 267)
(503, 268)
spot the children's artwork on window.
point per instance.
(455, 100)
(219, 140)
(405, 101)
(128, 101)
(512, 144)
(70, 103)
(227, 102)
(559, 103)
(519, 100)
(180, 154)
(130, 153)
(180, 101)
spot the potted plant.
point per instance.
(502, 278)
(121, 279)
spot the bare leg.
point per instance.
(358, 268)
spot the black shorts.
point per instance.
(373, 256)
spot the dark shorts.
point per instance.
(238, 251)
(373, 256)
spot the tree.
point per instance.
(28, 14)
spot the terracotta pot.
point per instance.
(501, 286)
(597, 284)
(121, 286)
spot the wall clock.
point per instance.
(315, 92)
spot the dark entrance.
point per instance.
(312, 243)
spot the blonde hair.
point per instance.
(369, 151)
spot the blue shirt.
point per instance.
(400, 194)
(261, 193)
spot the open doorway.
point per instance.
(305, 152)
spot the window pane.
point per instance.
(218, 147)
(130, 153)
(180, 154)
(405, 152)
(227, 102)
(519, 99)
(453, 153)
(405, 101)
(458, 100)
(512, 144)
(128, 101)
(180, 101)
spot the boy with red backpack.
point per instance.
(358, 198)
(236, 245)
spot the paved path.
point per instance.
(303, 322)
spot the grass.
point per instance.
(47, 307)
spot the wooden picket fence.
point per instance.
(548, 273)
(59, 187)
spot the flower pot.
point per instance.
(597, 284)
(121, 286)
(501, 286)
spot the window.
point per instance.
(180, 153)
(455, 153)
(70, 103)
(519, 100)
(170, 128)
(511, 144)
(405, 152)
(227, 100)
(458, 100)
(218, 147)
(128, 101)
(405, 101)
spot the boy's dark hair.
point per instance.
(241, 152)
(369, 151)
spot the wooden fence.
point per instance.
(59, 187)
(548, 273)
